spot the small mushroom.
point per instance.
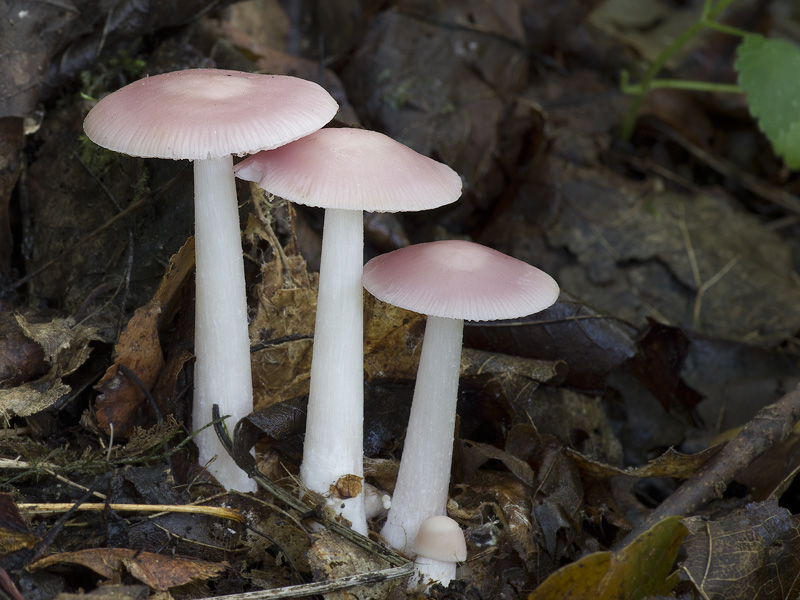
(439, 546)
(449, 281)
(345, 171)
(206, 115)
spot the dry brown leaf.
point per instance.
(14, 532)
(139, 349)
(392, 340)
(511, 502)
(158, 571)
(750, 553)
(21, 358)
(283, 324)
(333, 556)
(66, 347)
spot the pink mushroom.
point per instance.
(449, 281)
(345, 171)
(206, 115)
(439, 546)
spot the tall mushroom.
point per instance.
(449, 281)
(345, 171)
(207, 115)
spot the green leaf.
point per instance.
(769, 73)
(642, 568)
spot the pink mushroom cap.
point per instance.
(201, 114)
(440, 538)
(352, 169)
(459, 280)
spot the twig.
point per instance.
(772, 425)
(322, 587)
(49, 468)
(56, 507)
(779, 196)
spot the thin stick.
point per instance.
(321, 587)
(772, 425)
(56, 507)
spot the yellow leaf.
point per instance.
(640, 569)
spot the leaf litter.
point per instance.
(627, 379)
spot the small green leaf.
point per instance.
(769, 73)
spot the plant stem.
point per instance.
(684, 84)
(709, 14)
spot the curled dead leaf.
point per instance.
(156, 570)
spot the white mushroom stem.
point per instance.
(222, 343)
(428, 571)
(424, 476)
(335, 422)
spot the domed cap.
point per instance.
(459, 280)
(440, 538)
(201, 114)
(352, 169)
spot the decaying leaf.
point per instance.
(472, 50)
(21, 358)
(569, 331)
(66, 347)
(159, 571)
(642, 568)
(139, 350)
(750, 553)
(484, 452)
(500, 496)
(14, 532)
(518, 376)
(670, 464)
(120, 399)
(283, 324)
(392, 340)
(646, 253)
(332, 556)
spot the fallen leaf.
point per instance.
(156, 570)
(750, 553)
(14, 532)
(21, 358)
(670, 464)
(661, 253)
(283, 325)
(392, 340)
(642, 568)
(590, 343)
(66, 347)
(332, 556)
(119, 403)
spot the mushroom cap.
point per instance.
(459, 280)
(352, 169)
(201, 114)
(441, 538)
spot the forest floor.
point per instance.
(635, 440)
